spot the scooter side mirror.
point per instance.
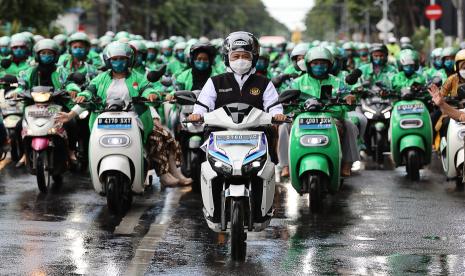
(185, 97)
(285, 97)
(78, 78)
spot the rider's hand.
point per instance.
(436, 95)
(169, 97)
(152, 97)
(194, 118)
(63, 117)
(350, 99)
(79, 99)
(279, 118)
(73, 94)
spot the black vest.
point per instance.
(228, 91)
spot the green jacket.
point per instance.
(185, 81)
(28, 79)
(400, 81)
(14, 69)
(385, 74)
(137, 85)
(64, 70)
(92, 57)
(175, 67)
(432, 72)
(310, 86)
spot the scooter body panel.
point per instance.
(113, 140)
(410, 119)
(452, 148)
(302, 150)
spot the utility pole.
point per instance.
(432, 29)
(385, 16)
(459, 7)
(367, 26)
(114, 15)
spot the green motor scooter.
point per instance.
(411, 132)
(315, 150)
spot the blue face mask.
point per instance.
(47, 59)
(151, 56)
(78, 53)
(118, 66)
(167, 53)
(201, 65)
(96, 49)
(180, 56)
(19, 53)
(260, 65)
(408, 69)
(139, 59)
(378, 61)
(449, 65)
(319, 70)
(437, 63)
(4, 51)
(363, 54)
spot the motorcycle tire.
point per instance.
(238, 237)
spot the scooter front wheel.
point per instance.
(238, 237)
(315, 184)
(413, 165)
(42, 174)
(119, 196)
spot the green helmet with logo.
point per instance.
(118, 49)
(299, 50)
(46, 44)
(318, 53)
(79, 36)
(449, 52)
(5, 41)
(121, 35)
(19, 40)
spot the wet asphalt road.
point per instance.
(379, 224)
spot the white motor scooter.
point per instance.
(116, 158)
(452, 152)
(237, 178)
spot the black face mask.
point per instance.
(44, 74)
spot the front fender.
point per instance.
(115, 163)
(314, 162)
(460, 158)
(411, 141)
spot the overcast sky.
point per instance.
(289, 12)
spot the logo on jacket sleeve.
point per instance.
(255, 91)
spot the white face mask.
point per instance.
(301, 65)
(462, 73)
(240, 66)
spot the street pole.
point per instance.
(432, 27)
(385, 17)
(114, 11)
(460, 20)
(367, 27)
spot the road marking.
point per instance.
(131, 219)
(146, 249)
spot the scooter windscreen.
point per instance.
(237, 111)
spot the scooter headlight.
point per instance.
(387, 114)
(369, 115)
(411, 123)
(114, 141)
(314, 140)
(220, 166)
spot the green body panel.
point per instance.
(314, 162)
(298, 154)
(410, 141)
(405, 136)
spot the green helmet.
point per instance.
(335, 51)
(38, 38)
(448, 51)
(5, 41)
(19, 40)
(138, 37)
(95, 42)
(436, 53)
(46, 44)
(151, 45)
(118, 49)
(79, 36)
(408, 57)
(166, 43)
(120, 35)
(60, 38)
(348, 46)
(318, 53)
(105, 40)
(139, 46)
(299, 50)
(180, 46)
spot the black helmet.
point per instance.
(204, 48)
(244, 41)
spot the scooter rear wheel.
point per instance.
(413, 165)
(238, 237)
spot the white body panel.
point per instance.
(117, 157)
(39, 120)
(452, 149)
